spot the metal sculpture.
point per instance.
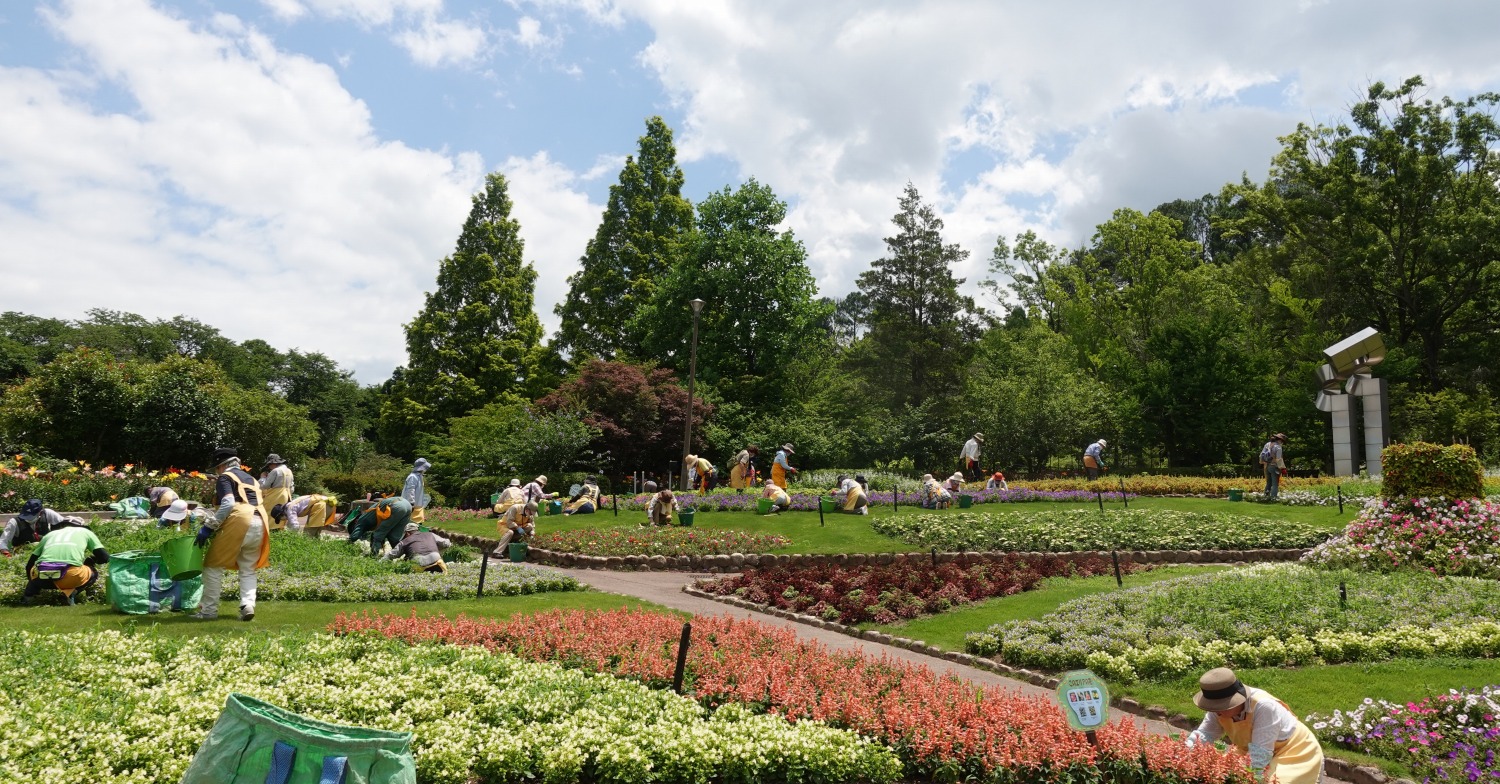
(1345, 377)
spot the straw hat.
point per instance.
(1219, 690)
(179, 510)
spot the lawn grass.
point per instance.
(277, 616)
(842, 533)
(947, 630)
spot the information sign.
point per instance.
(1084, 699)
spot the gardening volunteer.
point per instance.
(65, 560)
(241, 537)
(415, 490)
(277, 486)
(1280, 746)
(780, 468)
(742, 470)
(306, 512)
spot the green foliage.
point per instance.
(1424, 470)
(372, 473)
(1062, 530)
(79, 404)
(179, 415)
(508, 438)
(761, 311)
(259, 423)
(640, 238)
(478, 335)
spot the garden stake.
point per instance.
(934, 557)
(1116, 556)
(1100, 496)
(615, 499)
(484, 565)
(1341, 499)
(682, 646)
(1343, 596)
(1093, 738)
(820, 513)
(1122, 493)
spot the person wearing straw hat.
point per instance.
(182, 516)
(781, 470)
(424, 548)
(277, 486)
(1093, 459)
(1280, 746)
(1273, 464)
(701, 473)
(535, 491)
(510, 496)
(240, 534)
(934, 495)
(969, 457)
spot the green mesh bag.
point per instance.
(255, 742)
(138, 584)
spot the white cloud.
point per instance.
(556, 218)
(433, 42)
(245, 188)
(417, 26)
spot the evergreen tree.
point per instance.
(478, 334)
(920, 327)
(639, 239)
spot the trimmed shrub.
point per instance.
(1422, 470)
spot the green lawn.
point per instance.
(841, 533)
(275, 616)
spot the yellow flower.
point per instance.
(72, 469)
(173, 475)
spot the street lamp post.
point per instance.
(687, 425)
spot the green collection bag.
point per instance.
(136, 507)
(138, 583)
(255, 742)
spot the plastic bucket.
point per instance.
(764, 506)
(517, 551)
(554, 507)
(182, 559)
(1236, 494)
(423, 528)
(965, 501)
(685, 517)
(827, 504)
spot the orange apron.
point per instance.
(1296, 760)
(224, 547)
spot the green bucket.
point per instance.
(182, 559)
(1236, 494)
(828, 504)
(554, 507)
(517, 551)
(965, 501)
(764, 506)
(685, 517)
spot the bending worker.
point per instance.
(510, 496)
(423, 547)
(29, 526)
(1280, 746)
(780, 501)
(780, 468)
(856, 501)
(415, 490)
(934, 495)
(742, 470)
(277, 486)
(384, 523)
(700, 473)
(306, 512)
(65, 560)
(1093, 458)
(161, 500)
(241, 537)
(661, 507)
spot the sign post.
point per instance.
(1085, 701)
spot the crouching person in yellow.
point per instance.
(780, 501)
(308, 513)
(64, 560)
(1280, 746)
(518, 524)
(856, 500)
(240, 537)
(510, 496)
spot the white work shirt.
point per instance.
(1273, 723)
(280, 476)
(971, 450)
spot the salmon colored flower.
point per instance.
(65, 481)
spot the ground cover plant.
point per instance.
(1269, 615)
(477, 716)
(330, 569)
(886, 594)
(1086, 529)
(1452, 737)
(1166, 484)
(1457, 538)
(658, 541)
(942, 728)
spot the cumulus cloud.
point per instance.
(556, 220)
(417, 26)
(244, 187)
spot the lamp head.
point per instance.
(697, 306)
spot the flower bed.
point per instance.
(612, 542)
(77, 486)
(477, 716)
(1087, 529)
(1450, 737)
(732, 501)
(1262, 616)
(886, 594)
(943, 728)
(1156, 485)
(323, 570)
(1461, 538)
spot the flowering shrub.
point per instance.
(476, 716)
(1269, 615)
(73, 487)
(1087, 529)
(658, 541)
(1423, 470)
(943, 728)
(885, 594)
(1450, 737)
(323, 570)
(1458, 538)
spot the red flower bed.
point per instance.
(886, 594)
(945, 729)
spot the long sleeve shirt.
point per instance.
(971, 450)
(1095, 451)
(781, 460)
(533, 493)
(46, 521)
(280, 476)
(424, 547)
(413, 491)
(1278, 456)
(1271, 723)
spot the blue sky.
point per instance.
(240, 161)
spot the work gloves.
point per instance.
(203, 534)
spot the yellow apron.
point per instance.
(417, 515)
(167, 497)
(1296, 760)
(853, 497)
(319, 510)
(509, 497)
(269, 498)
(590, 495)
(778, 475)
(224, 548)
(737, 476)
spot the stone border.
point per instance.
(720, 564)
(1333, 767)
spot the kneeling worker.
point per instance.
(662, 506)
(1280, 746)
(856, 500)
(518, 524)
(780, 501)
(423, 547)
(587, 500)
(65, 560)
